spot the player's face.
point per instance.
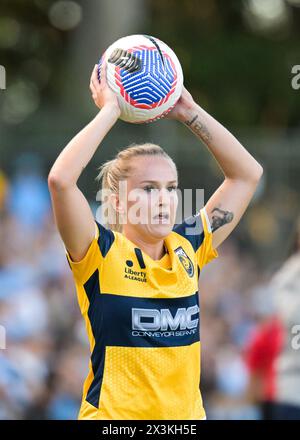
(152, 197)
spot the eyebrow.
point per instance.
(155, 181)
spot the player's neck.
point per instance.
(155, 250)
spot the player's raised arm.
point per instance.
(241, 171)
(72, 212)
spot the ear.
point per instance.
(117, 203)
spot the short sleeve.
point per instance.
(197, 230)
(206, 253)
(83, 269)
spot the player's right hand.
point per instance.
(101, 92)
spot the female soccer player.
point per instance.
(137, 277)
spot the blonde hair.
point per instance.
(120, 168)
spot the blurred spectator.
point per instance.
(261, 353)
(286, 288)
(41, 367)
(227, 318)
(44, 365)
(28, 198)
(271, 356)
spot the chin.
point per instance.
(161, 230)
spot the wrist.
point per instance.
(113, 109)
(188, 111)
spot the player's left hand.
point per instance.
(184, 103)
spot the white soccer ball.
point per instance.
(145, 74)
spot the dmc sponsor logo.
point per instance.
(154, 322)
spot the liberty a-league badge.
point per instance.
(185, 261)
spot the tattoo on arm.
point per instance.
(220, 218)
(199, 128)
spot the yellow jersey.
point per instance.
(142, 320)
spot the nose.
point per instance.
(164, 197)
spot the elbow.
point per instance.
(252, 176)
(261, 170)
(56, 182)
(257, 173)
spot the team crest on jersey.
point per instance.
(185, 261)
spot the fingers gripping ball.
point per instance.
(145, 74)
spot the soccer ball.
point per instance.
(145, 74)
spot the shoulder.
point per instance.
(95, 255)
(105, 238)
(196, 229)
